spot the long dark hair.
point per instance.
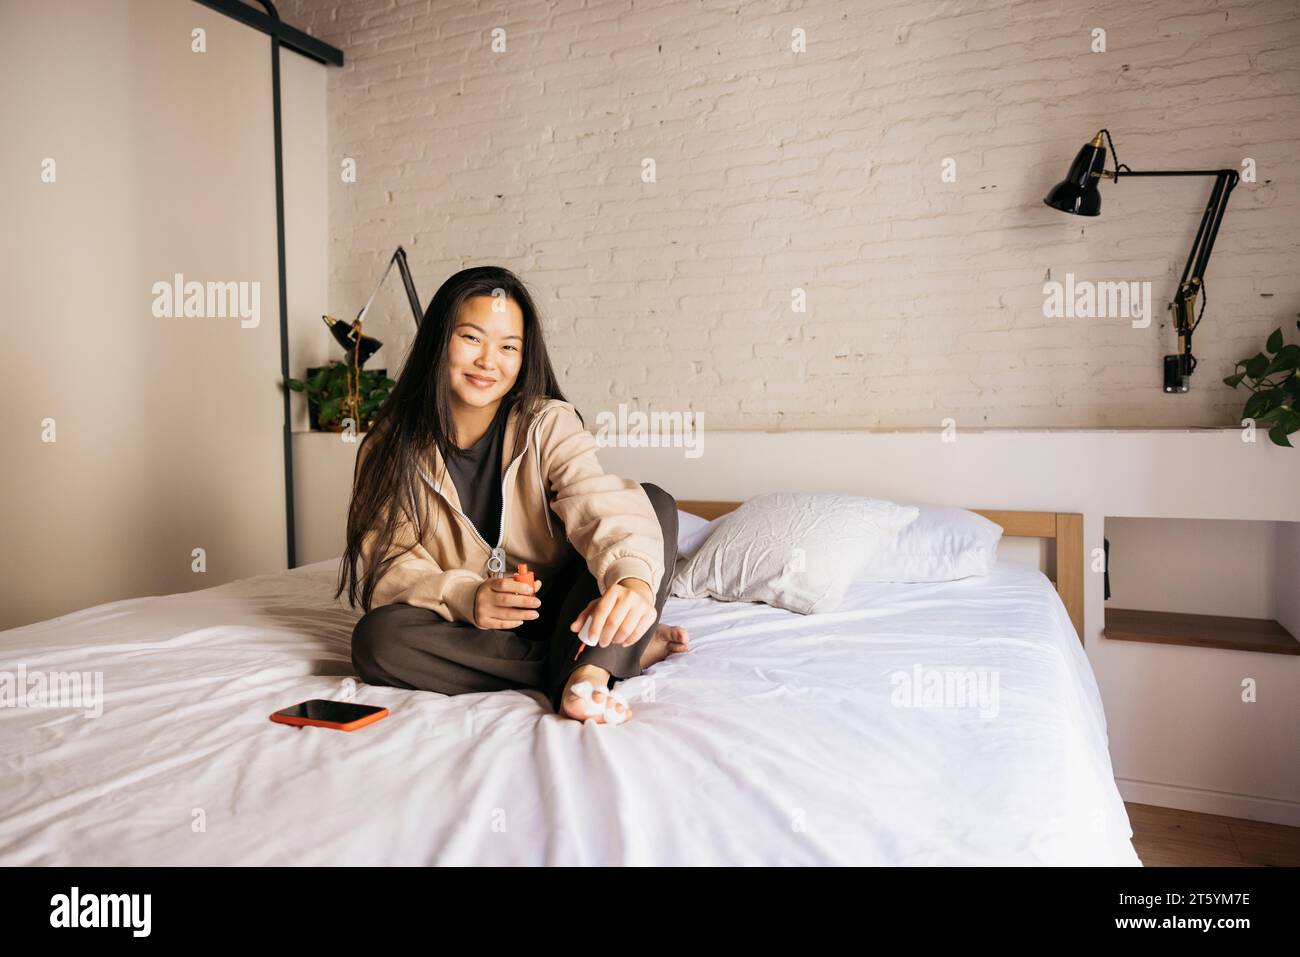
(416, 418)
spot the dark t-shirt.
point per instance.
(476, 472)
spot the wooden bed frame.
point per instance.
(1065, 529)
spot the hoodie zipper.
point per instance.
(496, 564)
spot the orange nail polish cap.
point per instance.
(525, 576)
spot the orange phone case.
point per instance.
(336, 725)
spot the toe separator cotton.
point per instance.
(585, 691)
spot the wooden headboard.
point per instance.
(1065, 529)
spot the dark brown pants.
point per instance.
(405, 646)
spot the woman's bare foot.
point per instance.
(574, 705)
(668, 640)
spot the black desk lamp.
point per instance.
(1078, 194)
(346, 335)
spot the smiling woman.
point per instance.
(478, 401)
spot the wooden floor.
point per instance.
(1166, 837)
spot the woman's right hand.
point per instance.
(505, 603)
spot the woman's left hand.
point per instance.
(620, 616)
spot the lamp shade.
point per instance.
(1078, 192)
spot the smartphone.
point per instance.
(339, 715)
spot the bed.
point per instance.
(779, 739)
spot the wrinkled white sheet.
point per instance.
(774, 741)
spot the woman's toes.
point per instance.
(583, 701)
(678, 639)
(618, 712)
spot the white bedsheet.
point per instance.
(774, 741)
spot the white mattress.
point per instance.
(774, 741)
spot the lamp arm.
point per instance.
(1199, 257)
(1192, 283)
(398, 257)
(1209, 229)
(409, 283)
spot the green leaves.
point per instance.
(1273, 380)
(1257, 405)
(1285, 360)
(328, 389)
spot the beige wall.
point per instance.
(168, 430)
(1197, 566)
(306, 211)
(1286, 577)
(822, 171)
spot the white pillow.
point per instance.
(794, 550)
(943, 544)
(691, 533)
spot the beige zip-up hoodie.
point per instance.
(609, 520)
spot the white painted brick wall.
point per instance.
(821, 170)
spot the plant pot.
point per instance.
(313, 407)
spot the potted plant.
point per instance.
(1271, 377)
(341, 391)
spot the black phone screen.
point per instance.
(319, 709)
